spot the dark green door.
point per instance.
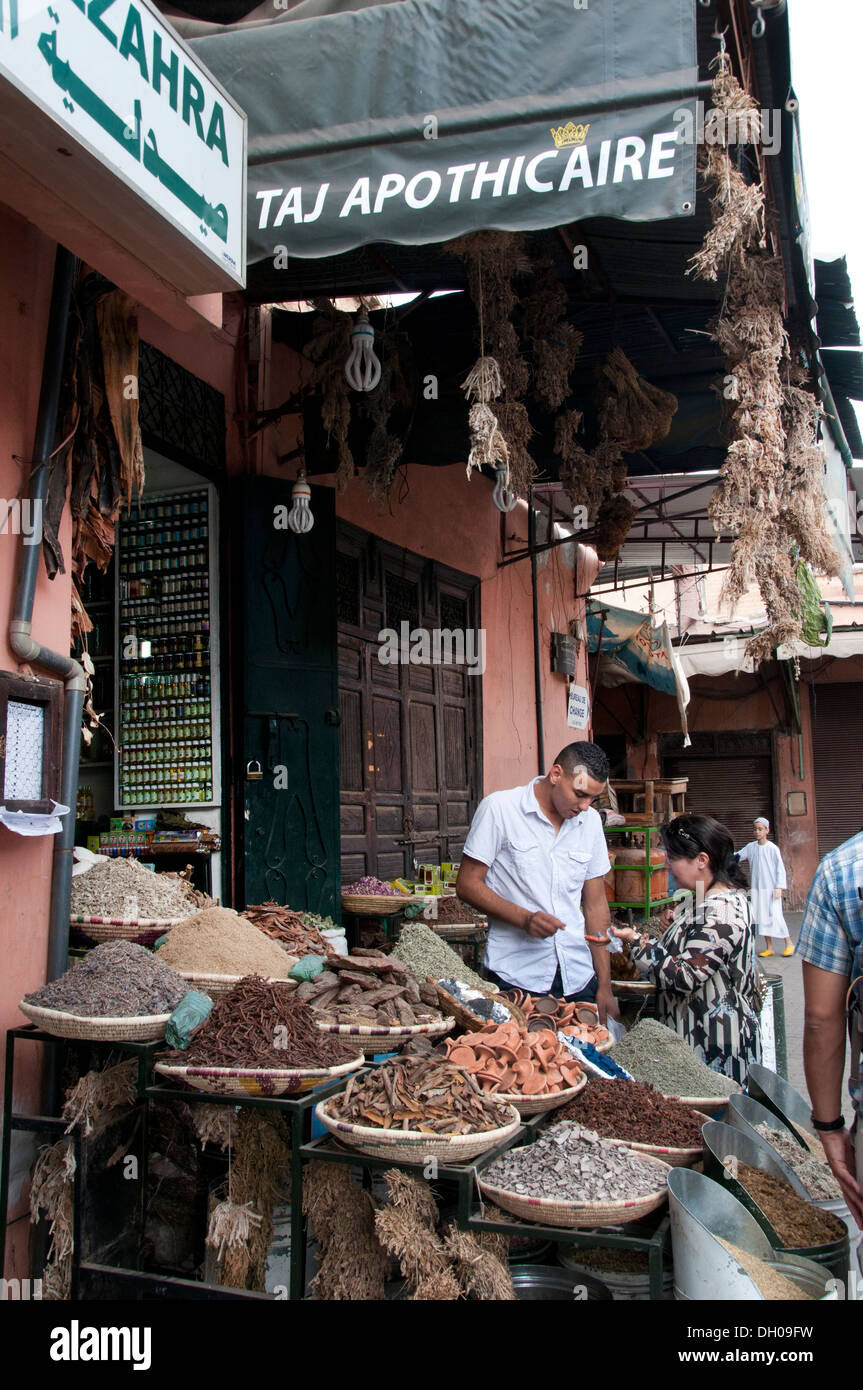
(289, 827)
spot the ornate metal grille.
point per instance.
(180, 410)
(348, 589)
(403, 603)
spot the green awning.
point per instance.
(420, 120)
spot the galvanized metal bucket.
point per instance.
(702, 1211)
(775, 1094)
(534, 1283)
(778, 1095)
(721, 1141)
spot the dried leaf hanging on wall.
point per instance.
(769, 494)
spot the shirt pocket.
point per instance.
(577, 865)
(518, 856)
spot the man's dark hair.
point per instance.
(586, 755)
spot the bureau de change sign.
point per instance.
(89, 87)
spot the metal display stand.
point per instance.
(297, 1108)
(654, 1244)
(648, 903)
(470, 1212)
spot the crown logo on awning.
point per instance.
(570, 134)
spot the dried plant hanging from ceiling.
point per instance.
(769, 492)
(500, 432)
(632, 415)
(100, 460)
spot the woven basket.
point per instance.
(676, 1158)
(122, 929)
(218, 985)
(454, 931)
(256, 1081)
(707, 1104)
(411, 1146)
(145, 1028)
(375, 905)
(538, 1105)
(546, 1211)
(393, 1035)
(463, 1016)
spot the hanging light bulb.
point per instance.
(363, 368)
(503, 496)
(300, 517)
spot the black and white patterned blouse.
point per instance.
(705, 969)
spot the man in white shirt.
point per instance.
(767, 880)
(535, 860)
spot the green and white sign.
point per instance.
(119, 82)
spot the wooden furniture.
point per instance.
(652, 801)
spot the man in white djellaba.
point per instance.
(767, 880)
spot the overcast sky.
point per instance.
(827, 72)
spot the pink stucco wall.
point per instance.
(26, 271)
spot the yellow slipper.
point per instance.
(789, 951)
(765, 953)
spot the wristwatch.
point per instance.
(827, 1126)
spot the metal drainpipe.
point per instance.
(537, 671)
(23, 644)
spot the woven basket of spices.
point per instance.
(122, 929)
(393, 1035)
(538, 1105)
(675, 1158)
(546, 1211)
(455, 1009)
(257, 1081)
(454, 931)
(218, 985)
(706, 1104)
(375, 904)
(147, 1028)
(413, 1146)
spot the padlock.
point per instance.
(254, 776)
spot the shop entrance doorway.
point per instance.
(411, 754)
(287, 765)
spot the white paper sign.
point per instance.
(24, 823)
(118, 79)
(578, 711)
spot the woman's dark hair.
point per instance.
(689, 836)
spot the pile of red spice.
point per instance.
(633, 1111)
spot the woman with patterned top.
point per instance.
(704, 963)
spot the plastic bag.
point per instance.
(307, 968)
(193, 1009)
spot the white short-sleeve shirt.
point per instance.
(537, 868)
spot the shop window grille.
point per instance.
(180, 411)
(348, 589)
(453, 613)
(402, 602)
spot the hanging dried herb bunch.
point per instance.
(242, 1227)
(632, 414)
(52, 1192)
(768, 494)
(554, 343)
(327, 350)
(353, 1264)
(499, 433)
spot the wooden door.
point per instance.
(410, 732)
